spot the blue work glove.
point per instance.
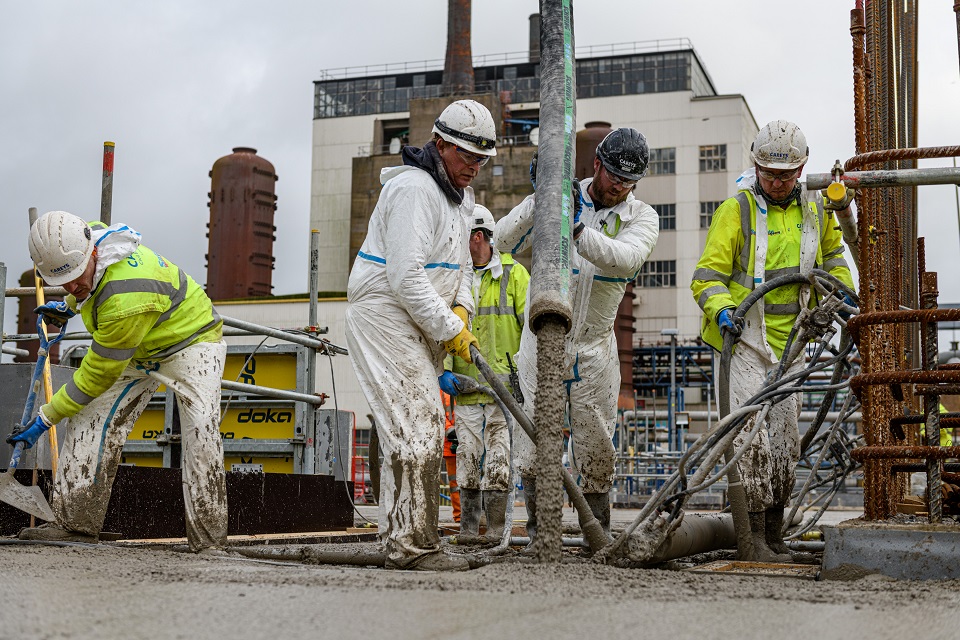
(29, 434)
(727, 321)
(847, 300)
(577, 196)
(448, 384)
(56, 313)
(533, 170)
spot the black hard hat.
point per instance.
(624, 152)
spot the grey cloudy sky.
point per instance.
(179, 83)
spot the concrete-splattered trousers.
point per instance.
(592, 383)
(397, 371)
(483, 455)
(92, 448)
(767, 467)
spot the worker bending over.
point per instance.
(151, 325)
(790, 230)
(483, 453)
(613, 235)
(409, 297)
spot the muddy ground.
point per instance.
(124, 592)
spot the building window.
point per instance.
(662, 161)
(658, 273)
(668, 216)
(713, 158)
(706, 212)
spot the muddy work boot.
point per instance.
(600, 506)
(439, 561)
(773, 522)
(50, 532)
(495, 505)
(530, 497)
(761, 551)
(471, 503)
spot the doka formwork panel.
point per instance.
(148, 503)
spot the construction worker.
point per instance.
(483, 455)
(613, 235)
(410, 298)
(795, 231)
(450, 445)
(151, 325)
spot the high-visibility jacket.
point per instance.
(144, 308)
(500, 304)
(725, 273)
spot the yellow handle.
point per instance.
(47, 382)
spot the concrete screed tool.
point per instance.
(29, 499)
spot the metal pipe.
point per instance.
(106, 188)
(805, 416)
(269, 392)
(884, 178)
(32, 291)
(3, 305)
(259, 329)
(11, 350)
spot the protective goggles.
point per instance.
(786, 176)
(471, 158)
(478, 141)
(620, 182)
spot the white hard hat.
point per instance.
(780, 145)
(469, 125)
(60, 245)
(482, 219)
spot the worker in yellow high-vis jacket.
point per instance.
(151, 325)
(773, 226)
(483, 453)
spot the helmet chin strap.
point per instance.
(793, 195)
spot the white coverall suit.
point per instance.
(609, 252)
(413, 267)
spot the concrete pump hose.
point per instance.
(592, 531)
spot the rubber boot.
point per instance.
(774, 529)
(470, 505)
(530, 497)
(51, 532)
(761, 551)
(440, 561)
(495, 505)
(600, 506)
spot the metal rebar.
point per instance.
(106, 187)
(884, 178)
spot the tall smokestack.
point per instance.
(458, 65)
(534, 37)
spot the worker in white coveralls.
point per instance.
(613, 235)
(483, 454)
(410, 299)
(790, 230)
(151, 325)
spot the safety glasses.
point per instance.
(786, 176)
(620, 182)
(471, 158)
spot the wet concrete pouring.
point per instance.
(114, 590)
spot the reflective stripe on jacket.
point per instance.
(725, 273)
(497, 323)
(144, 308)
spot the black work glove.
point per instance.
(454, 441)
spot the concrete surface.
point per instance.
(111, 592)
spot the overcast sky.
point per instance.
(177, 84)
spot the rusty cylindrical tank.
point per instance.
(241, 231)
(27, 322)
(587, 140)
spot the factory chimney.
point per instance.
(458, 64)
(242, 204)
